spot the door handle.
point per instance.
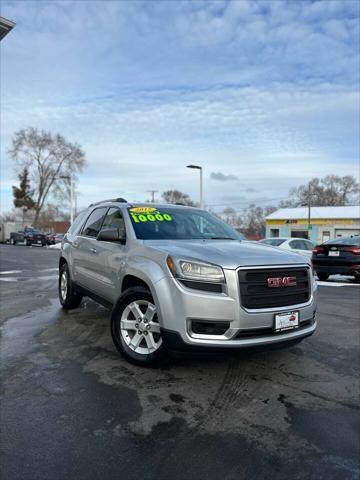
(93, 250)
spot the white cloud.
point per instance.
(266, 91)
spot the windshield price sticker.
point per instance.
(148, 214)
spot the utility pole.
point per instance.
(152, 195)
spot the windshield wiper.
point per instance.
(220, 238)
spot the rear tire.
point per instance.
(357, 278)
(68, 296)
(322, 276)
(135, 328)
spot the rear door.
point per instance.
(84, 250)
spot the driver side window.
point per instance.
(115, 219)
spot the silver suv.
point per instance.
(178, 278)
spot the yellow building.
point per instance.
(325, 223)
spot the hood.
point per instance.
(229, 254)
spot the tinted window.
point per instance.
(114, 219)
(75, 227)
(93, 223)
(344, 241)
(275, 242)
(307, 245)
(297, 244)
(178, 224)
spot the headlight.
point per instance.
(204, 272)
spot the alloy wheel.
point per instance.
(140, 327)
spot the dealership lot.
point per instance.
(72, 408)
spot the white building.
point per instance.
(325, 223)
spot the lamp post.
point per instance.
(70, 179)
(197, 167)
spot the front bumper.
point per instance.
(179, 307)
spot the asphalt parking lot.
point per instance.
(71, 408)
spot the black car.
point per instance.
(338, 256)
(29, 236)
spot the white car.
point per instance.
(298, 245)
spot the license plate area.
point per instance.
(286, 321)
(334, 254)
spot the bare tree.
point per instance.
(230, 215)
(331, 190)
(175, 196)
(254, 221)
(48, 157)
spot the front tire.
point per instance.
(12, 241)
(135, 328)
(68, 296)
(322, 276)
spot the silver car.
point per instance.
(178, 278)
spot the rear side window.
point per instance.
(296, 244)
(307, 245)
(275, 242)
(94, 222)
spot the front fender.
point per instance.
(150, 272)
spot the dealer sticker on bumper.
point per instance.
(286, 321)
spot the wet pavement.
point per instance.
(71, 408)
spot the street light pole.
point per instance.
(197, 167)
(70, 179)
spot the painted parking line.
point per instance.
(10, 272)
(29, 278)
(337, 284)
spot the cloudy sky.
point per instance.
(263, 94)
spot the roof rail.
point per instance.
(120, 200)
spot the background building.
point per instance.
(325, 223)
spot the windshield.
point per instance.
(275, 242)
(171, 223)
(344, 241)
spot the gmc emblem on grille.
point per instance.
(274, 282)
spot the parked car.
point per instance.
(338, 256)
(29, 236)
(178, 278)
(50, 238)
(298, 245)
(59, 237)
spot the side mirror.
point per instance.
(110, 235)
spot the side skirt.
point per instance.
(97, 298)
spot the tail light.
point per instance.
(318, 250)
(354, 250)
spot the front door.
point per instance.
(110, 257)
